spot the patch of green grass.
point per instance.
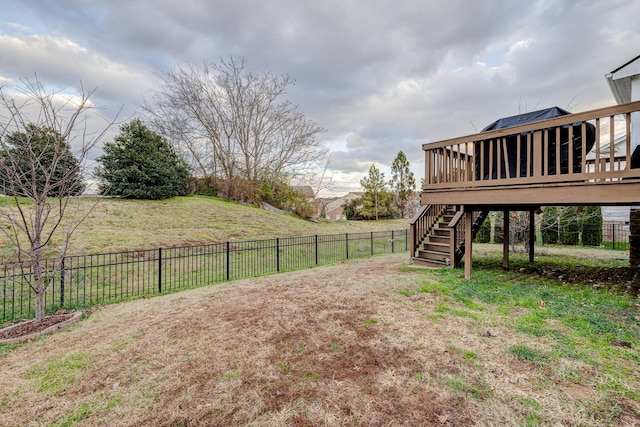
(5, 348)
(463, 313)
(370, 321)
(442, 307)
(477, 391)
(469, 303)
(8, 398)
(527, 354)
(231, 375)
(532, 420)
(435, 288)
(59, 373)
(283, 367)
(311, 376)
(83, 411)
(466, 354)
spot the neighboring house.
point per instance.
(331, 208)
(624, 83)
(305, 191)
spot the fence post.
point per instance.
(62, 282)
(613, 237)
(406, 239)
(160, 270)
(372, 243)
(347, 240)
(316, 249)
(278, 254)
(393, 241)
(228, 261)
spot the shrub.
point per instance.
(140, 164)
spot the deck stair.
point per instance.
(435, 248)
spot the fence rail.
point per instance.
(86, 280)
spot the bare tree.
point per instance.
(251, 131)
(41, 219)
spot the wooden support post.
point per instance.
(505, 240)
(468, 244)
(532, 234)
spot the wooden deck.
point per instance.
(523, 168)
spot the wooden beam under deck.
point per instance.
(620, 193)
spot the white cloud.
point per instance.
(388, 76)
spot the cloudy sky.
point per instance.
(380, 76)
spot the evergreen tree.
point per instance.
(140, 164)
(28, 164)
(592, 226)
(377, 201)
(549, 225)
(353, 209)
(403, 184)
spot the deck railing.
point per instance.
(565, 149)
(422, 223)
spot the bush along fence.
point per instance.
(86, 280)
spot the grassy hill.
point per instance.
(118, 225)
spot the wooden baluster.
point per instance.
(570, 150)
(558, 144)
(611, 139)
(628, 140)
(597, 164)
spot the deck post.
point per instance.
(468, 249)
(505, 240)
(532, 234)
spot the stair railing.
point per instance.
(421, 224)
(458, 234)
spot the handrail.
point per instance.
(554, 122)
(422, 223)
(548, 151)
(458, 236)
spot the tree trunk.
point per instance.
(38, 287)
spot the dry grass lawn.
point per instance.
(331, 346)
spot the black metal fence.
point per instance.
(609, 236)
(85, 280)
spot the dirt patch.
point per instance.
(29, 330)
(626, 279)
(29, 327)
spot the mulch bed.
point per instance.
(29, 327)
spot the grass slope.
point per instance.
(118, 225)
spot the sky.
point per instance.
(380, 76)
